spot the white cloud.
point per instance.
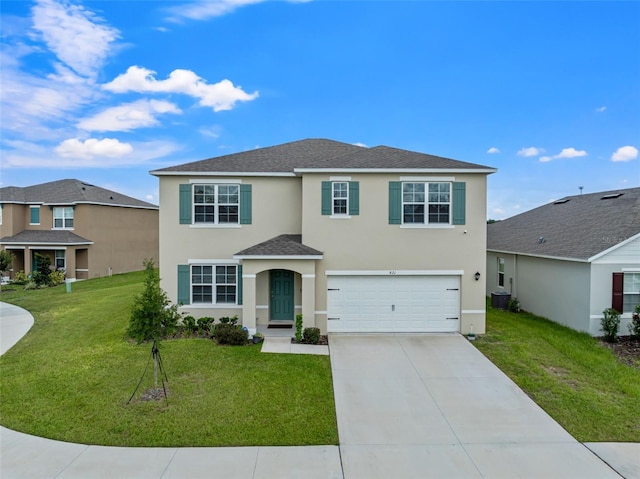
(212, 131)
(530, 151)
(625, 153)
(493, 150)
(205, 9)
(565, 153)
(600, 109)
(360, 144)
(127, 117)
(77, 36)
(220, 96)
(92, 148)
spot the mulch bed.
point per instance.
(324, 340)
(627, 349)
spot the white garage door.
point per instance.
(393, 303)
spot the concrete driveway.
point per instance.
(432, 406)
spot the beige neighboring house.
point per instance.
(87, 231)
(571, 259)
(355, 239)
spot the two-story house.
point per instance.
(355, 239)
(87, 231)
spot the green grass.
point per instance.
(71, 376)
(576, 380)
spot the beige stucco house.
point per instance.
(87, 231)
(571, 259)
(355, 239)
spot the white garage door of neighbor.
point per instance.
(393, 303)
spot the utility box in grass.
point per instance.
(500, 300)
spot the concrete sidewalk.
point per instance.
(408, 406)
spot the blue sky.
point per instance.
(105, 91)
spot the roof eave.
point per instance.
(275, 256)
(486, 171)
(613, 248)
(544, 256)
(222, 173)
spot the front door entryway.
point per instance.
(282, 297)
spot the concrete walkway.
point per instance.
(408, 406)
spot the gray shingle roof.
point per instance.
(45, 236)
(318, 153)
(68, 192)
(283, 245)
(578, 228)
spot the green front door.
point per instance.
(281, 295)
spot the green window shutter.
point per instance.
(245, 204)
(459, 203)
(239, 280)
(34, 215)
(326, 197)
(184, 284)
(354, 198)
(395, 202)
(185, 204)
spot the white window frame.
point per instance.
(630, 289)
(30, 208)
(335, 198)
(63, 253)
(64, 217)
(214, 284)
(216, 204)
(501, 274)
(426, 203)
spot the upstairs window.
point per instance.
(340, 198)
(63, 217)
(216, 204)
(426, 203)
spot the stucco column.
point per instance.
(308, 300)
(249, 302)
(70, 263)
(27, 261)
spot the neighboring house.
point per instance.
(87, 231)
(571, 259)
(353, 238)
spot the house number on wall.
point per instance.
(392, 272)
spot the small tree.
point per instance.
(152, 315)
(43, 269)
(610, 324)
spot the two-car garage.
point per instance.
(393, 302)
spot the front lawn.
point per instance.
(71, 376)
(571, 375)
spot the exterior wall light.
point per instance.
(477, 275)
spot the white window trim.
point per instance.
(630, 293)
(64, 218)
(426, 203)
(210, 181)
(214, 284)
(334, 198)
(216, 206)
(503, 273)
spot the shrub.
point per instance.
(514, 305)
(20, 278)
(227, 320)
(311, 336)
(634, 325)
(56, 277)
(230, 334)
(189, 324)
(610, 324)
(43, 270)
(299, 328)
(205, 324)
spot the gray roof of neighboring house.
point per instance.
(283, 245)
(68, 192)
(318, 153)
(577, 227)
(45, 237)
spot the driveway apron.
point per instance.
(432, 406)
